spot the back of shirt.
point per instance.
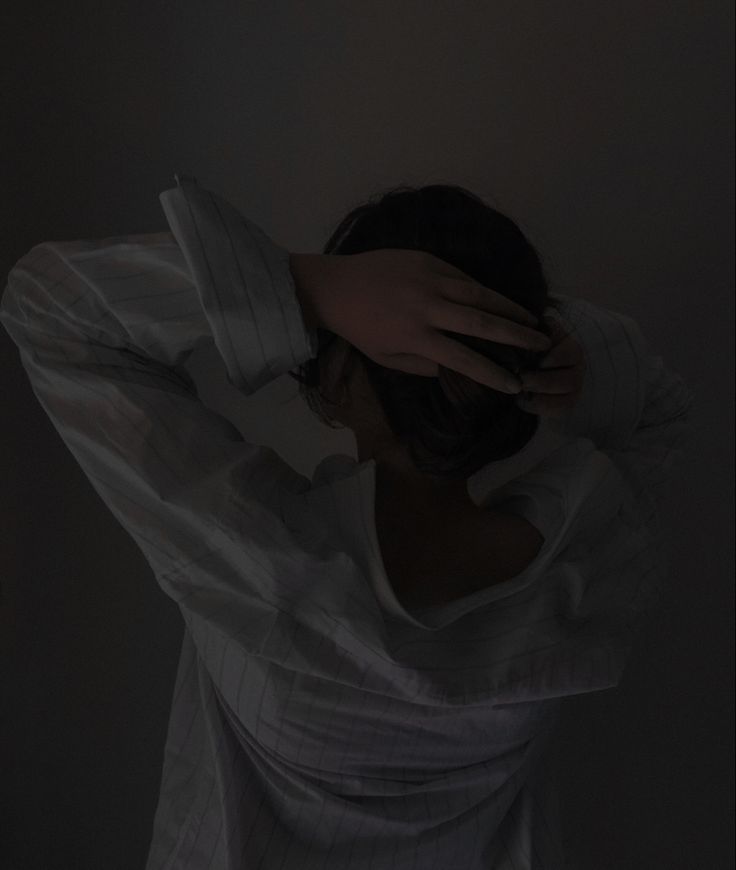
(314, 719)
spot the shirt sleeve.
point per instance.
(104, 328)
(637, 411)
(634, 408)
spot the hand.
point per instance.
(393, 303)
(556, 384)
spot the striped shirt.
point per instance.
(316, 722)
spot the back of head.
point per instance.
(451, 425)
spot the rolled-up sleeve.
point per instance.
(104, 328)
(633, 406)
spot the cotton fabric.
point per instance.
(315, 722)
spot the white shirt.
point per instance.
(315, 722)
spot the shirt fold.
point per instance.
(315, 721)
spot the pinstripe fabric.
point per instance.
(316, 723)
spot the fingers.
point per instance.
(565, 352)
(555, 386)
(468, 292)
(492, 327)
(546, 406)
(462, 359)
(414, 365)
(554, 381)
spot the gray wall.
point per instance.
(605, 129)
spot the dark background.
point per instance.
(604, 129)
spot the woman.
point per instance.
(455, 411)
(354, 688)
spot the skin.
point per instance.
(437, 545)
(393, 305)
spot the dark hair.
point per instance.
(451, 438)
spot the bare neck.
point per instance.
(413, 502)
